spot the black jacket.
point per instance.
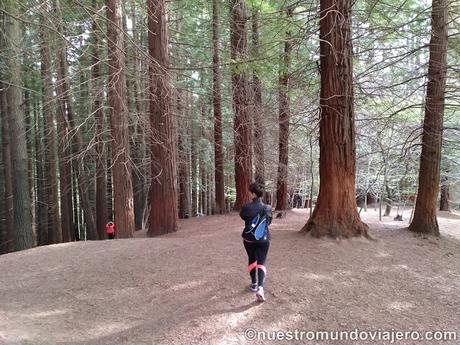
(251, 209)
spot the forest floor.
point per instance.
(190, 287)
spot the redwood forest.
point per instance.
(162, 124)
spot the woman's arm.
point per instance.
(244, 212)
(268, 212)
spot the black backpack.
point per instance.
(258, 230)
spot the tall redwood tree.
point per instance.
(121, 172)
(217, 104)
(425, 220)
(259, 131)
(163, 191)
(22, 213)
(335, 212)
(240, 88)
(7, 240)
(284, 114)
(7, 211)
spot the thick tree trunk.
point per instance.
(7, 212)
(121, 171)
(217, 105)
(22, 214)
(425, 220)
(335, 212)
(163, 192)
(50, 158)
(3, 239)
(240, 88)
(101, 158)
(259, 132)
(3, 114)
(284, 115)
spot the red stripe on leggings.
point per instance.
(252, 266)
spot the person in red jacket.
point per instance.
(110, 229)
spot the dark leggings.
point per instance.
(257, 254)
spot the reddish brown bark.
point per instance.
(425, 220)
(121, 171)
(6, 211)
(284, 114)
(101, 160)
(259, 148)
(163, 193)
(217, 105)
(335, 212)
(240, 88)
(8, 244)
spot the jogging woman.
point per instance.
(254, 213)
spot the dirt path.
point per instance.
(191, 287)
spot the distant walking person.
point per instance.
(110, 229)
(256, 238)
